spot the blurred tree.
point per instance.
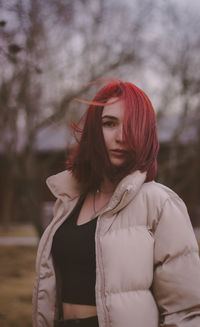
(49, 52)
(177, 63)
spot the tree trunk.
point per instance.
(8, 201)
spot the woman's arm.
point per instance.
(176, 284)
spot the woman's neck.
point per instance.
(107, 186)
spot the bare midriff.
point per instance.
(76, 311)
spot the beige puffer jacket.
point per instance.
(147, 262)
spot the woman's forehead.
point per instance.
(115, 109)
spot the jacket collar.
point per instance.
(126, 191)
(64, 185)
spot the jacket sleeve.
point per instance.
(176, 285)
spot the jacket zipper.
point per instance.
(102, 285)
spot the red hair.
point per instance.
(90, 163)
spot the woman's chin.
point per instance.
(117, 162)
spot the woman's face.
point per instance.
(112, 127)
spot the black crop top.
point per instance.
(73, 251)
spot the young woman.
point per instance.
(120, 251)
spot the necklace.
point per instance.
(100, 191)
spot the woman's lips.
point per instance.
(118, 153)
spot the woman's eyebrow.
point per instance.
(109, 117)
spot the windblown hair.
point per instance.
(89, 162)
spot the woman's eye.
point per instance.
(109, 123)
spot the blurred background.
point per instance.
(49, 51)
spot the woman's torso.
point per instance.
(73, 251)
(124, 249)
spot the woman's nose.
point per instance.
(119, 134)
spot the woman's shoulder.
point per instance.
(63, 184)
(158, 190)
(157, 195)
(163, 204)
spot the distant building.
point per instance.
(53, 146)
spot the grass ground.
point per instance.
(17, 273)
(18, 230)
